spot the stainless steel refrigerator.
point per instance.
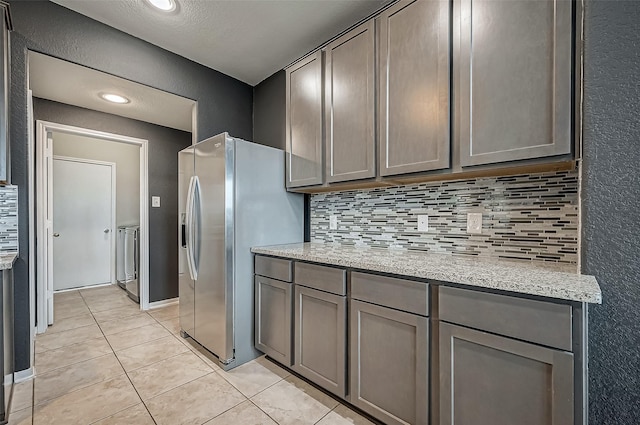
(231, 197)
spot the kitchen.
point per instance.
(608, 196)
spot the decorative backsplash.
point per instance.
(525, 217)
(8, 219)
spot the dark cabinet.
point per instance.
(413, 93)
(487, 379)
(304, 160)
(513, 79)
(349, 105)
(389, 360)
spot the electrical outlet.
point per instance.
(155, 202)
(333, 222)
(474, 223)
(423, 223)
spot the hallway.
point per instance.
(106, 362)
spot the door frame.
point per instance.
(43, 151)
(112, 247)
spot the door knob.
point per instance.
(106, 230)
(55, 235)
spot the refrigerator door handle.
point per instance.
(197, 224)
(189, 229)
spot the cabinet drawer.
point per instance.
(275, 268)
(534, 321)
(401, 294)
(329, 279)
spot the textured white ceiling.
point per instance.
(65, 82)
(247, 39)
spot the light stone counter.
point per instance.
(542, 279)
(7, 260)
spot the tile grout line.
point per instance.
(144, 402)
(95, 383)
(128, 378)
(262, 410)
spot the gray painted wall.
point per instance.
(269, 108)
(611, 201)
(224, 104)
(164, 145)
(127, 160)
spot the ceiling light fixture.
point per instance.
(114, 98)
(164, 5)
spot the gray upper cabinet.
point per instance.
(414, 87)
(5, 174)
(514, 81)
(304, 122)
(349, 105)
(491, 380)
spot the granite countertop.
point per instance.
(542, 279)
(7, 260)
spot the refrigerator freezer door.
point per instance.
(214, 166)
(185, 282)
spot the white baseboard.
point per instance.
(8, 379)
(163, 303)
(24, 375)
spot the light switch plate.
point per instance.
(474, 223)
(333, 222)
(423, 223)
(155, 202)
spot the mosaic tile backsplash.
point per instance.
(525, 217)
(8, 219)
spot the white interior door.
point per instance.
(83, 214)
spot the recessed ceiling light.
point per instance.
(164, 5)
(114, 98)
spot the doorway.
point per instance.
(47, 223)
(84, 202)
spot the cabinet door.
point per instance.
(320, 333)
(514, 83)
(389, 364)
(273, 305)
(414, 87)
(304, 122)
(490, 380)
(349, 105)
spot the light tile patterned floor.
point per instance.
(105, 362)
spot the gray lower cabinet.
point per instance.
(389, 363)
(514, 79)
(487, 379)
(320, 337)
(349, 105)
(304, 160)
(273, 304)
(413, 116)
